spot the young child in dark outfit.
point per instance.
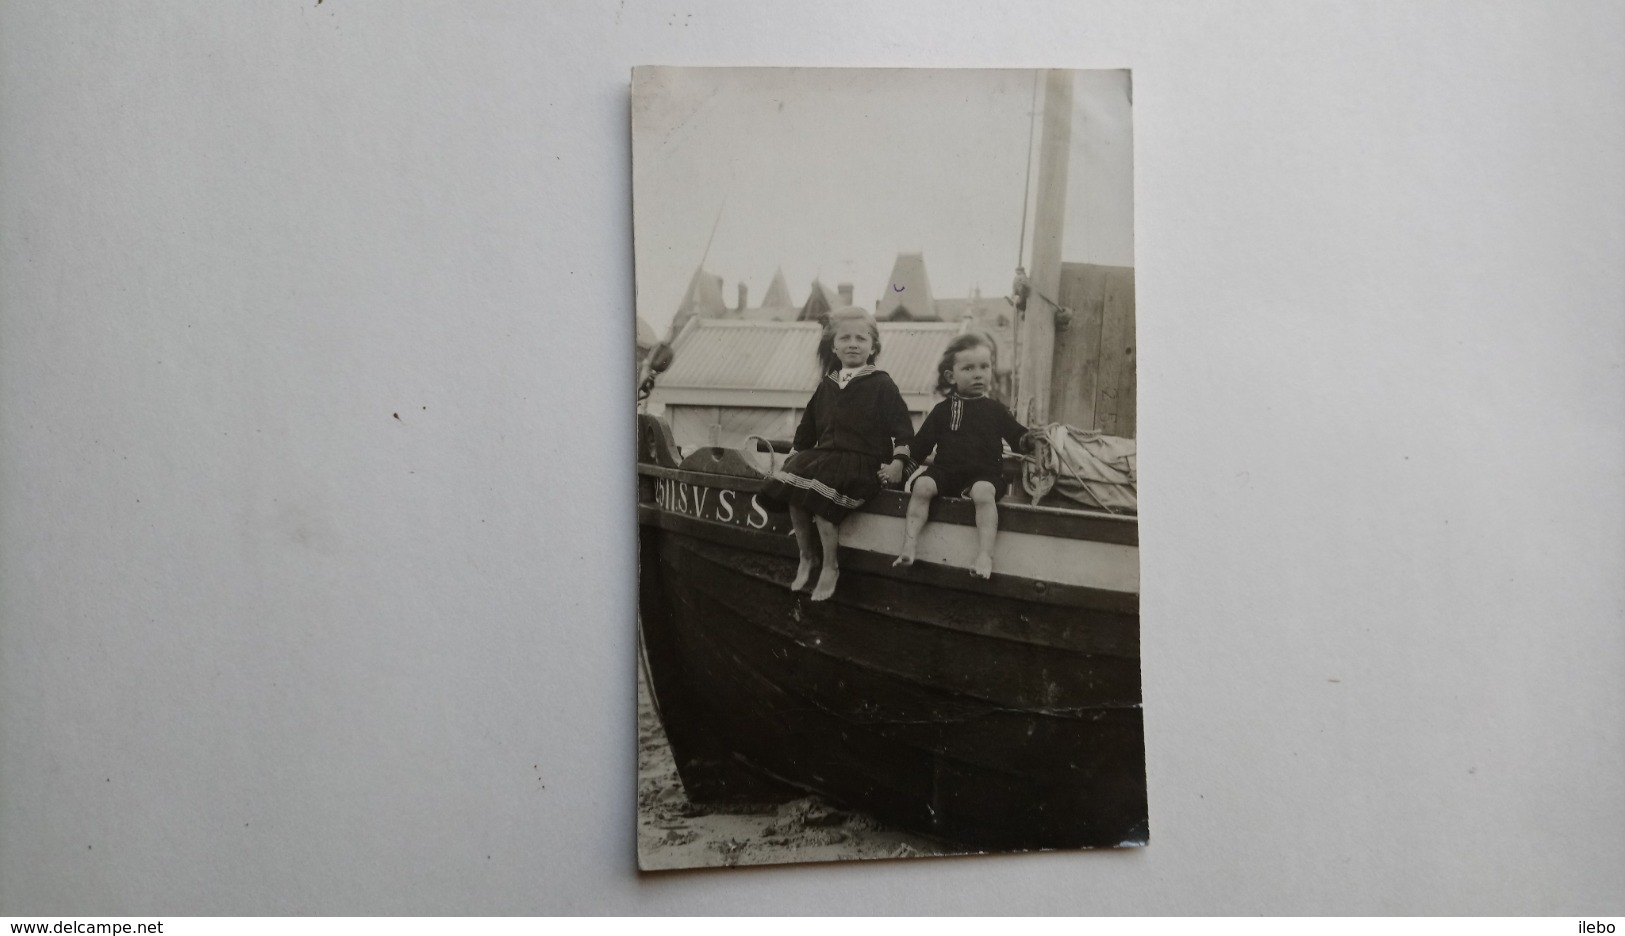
(965, 429)
(853, 438)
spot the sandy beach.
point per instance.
(674, 833)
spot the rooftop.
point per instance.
(730, 354)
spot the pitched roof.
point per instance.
(778, 293)
(821, 301)
(777, 362)
(909, 290)
(775, 307)
(703, 298)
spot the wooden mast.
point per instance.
(1037, 339)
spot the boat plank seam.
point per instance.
(1059, 712)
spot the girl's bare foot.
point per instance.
(826, 583)
(906, 557)
(803, 574)
(982, 567)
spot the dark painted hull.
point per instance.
(970, 713)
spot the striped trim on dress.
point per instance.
(819, 488)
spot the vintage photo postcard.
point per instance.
(888, 549)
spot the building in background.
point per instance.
(732, 379)
(749, 370)
(908, 298)
(777, 306)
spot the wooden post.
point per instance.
(1037, 342)
(1077, 347)
(1093, 381)
(1114, 391)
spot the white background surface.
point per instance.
(264, 648)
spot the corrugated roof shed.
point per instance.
(770, 314)
(739, 355)
(727, 362)
(910, 353)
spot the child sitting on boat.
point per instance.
(965, 429)
(853, 438)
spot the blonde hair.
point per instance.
(826, 342)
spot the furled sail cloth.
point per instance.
(1083, 466)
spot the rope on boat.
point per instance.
(1060, 453)
(1027, 186)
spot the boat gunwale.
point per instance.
(1000, 586)
(1081, 524)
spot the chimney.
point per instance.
(742, 291)
(845, 290)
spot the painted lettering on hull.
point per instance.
(719, 505)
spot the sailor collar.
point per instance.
(835, 375)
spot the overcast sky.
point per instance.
(830, 173)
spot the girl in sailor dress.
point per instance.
(853, 439)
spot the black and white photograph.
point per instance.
(1127, 461)
(888, 592)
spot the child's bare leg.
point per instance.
(987, 527)
(801, 519)
(830, 534)
(919, 508)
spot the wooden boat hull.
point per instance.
(993, 715)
